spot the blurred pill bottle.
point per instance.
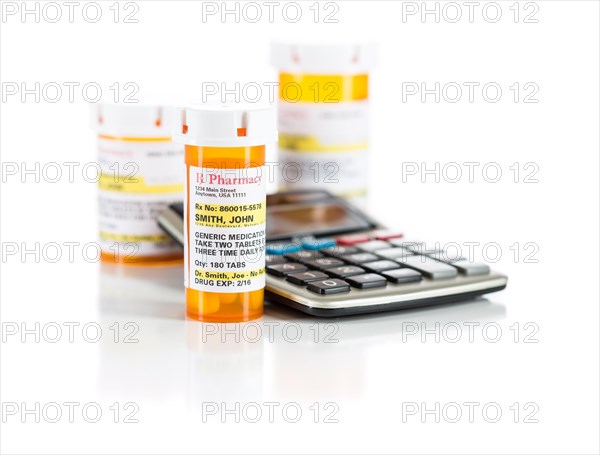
(324, 116)
(225, 209)
(141, 173)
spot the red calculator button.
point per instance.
(349, 240)
(386, 235)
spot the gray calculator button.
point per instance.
(446, 256)
(405, 275)
(324, 263)
(425, 248)
(340, 250)
(372, 245)
(304, 255)
(404, 244)
(471, 268)
(329, 286)
(394, 253)
(303, 278)
(367, 281)
(380, 266)
(274, 259)
(359, 258)
(345, 270)
(285, 269)
(429, 267)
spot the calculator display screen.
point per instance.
(321, 217)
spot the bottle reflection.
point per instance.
(153, 353)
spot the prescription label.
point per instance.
(138, 180)
(225, 229)
(325, 145)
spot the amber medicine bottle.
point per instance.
(140, 176)
(225, 210)
(324, 116)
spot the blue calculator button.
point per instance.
(317, 244)
(279, 249)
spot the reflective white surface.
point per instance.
(362, 371)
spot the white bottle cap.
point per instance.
(132, 120)
(236, 125)
(324, 58)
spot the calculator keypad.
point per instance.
(363, 262)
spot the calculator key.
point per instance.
(380, 266)
(317, 244)
(404, 244)
(359, 258)
(387, 235)
(349, 240)
(345, 270)
(340, 250)
(282, 248)
(285, 269)
(368, 280)
(429, 267)
(423, 248)
(303, 278)
(324, 263)
(400, 276)
(471, 268)
(304, 255)
(273, 259)
(393, 253)
(446, 256)
(373, 245)
(330, 286)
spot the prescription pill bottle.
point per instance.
(140, 175)
(225, 210)
(324, 116)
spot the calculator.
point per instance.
(327, 258)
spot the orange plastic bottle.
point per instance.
(225, 210)
(324, 115)
(140, 177)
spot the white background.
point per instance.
(372, 370)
